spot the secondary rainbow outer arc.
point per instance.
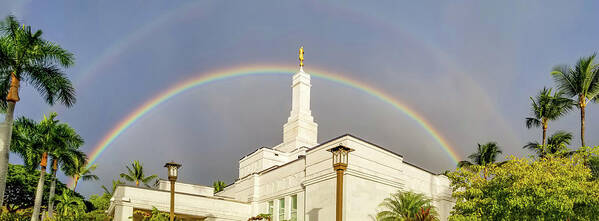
(263, 70)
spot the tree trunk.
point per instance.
(11, 99)
(544, 132)
(52, 188)
(137, 183)
(76, 181)
(5, 135)
(39, 192)
(582, 111)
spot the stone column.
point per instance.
(122, 213)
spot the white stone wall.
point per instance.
(260, 160)
(434, 186)
(186, 188)
(128, 198)
(372, 175)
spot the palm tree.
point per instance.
(404, 206)
(69, 205)
(35, 141)
(218, 186)
(66, 156)
(546, 107)
(26, 142)
(135, 173)
(560, 138)
(115, 183)
(80, 171)
(25, 55)
(486, 154)
(424, 215)
(557, 142)
(581, 82)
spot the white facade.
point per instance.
(295, 180)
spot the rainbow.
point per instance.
(213, 76)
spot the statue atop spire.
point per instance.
(301, 56)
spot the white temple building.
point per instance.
(295, 180)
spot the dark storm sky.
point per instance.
(468, 67)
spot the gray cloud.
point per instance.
(467, 67)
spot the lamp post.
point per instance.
(172, 168)
(340, 157)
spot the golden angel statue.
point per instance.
(301, 56)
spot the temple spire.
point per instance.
(300, 129)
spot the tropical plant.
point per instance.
(485, 154)
(547, 107)
(218, 186)
(594, 166)
(35, 140)
(557, 143)
(20, 189)
(69, 206)
(549, 188)
(405, 205)
(80, 171)
(581, 82)
(25, 55)
(115, 183)
(424, 215)
(154, 215)
(16, 216)
(136, 174)
(261, 216)
(67, 156)
(100, 205)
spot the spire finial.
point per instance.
(301, 56)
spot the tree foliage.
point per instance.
(70, 206)
(21, 184)
(136, 174)
(24, 53)
(485, 154)
(549, 188)
(546, 107)
(581, 82)
(557, 143)
(406, 205)
(154, 215)
(218, 186)
(115, 183)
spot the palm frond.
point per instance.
(532, 122)
(51, 83)
(464, 163)
(49, 51)
(127, 177)
(560, 138)
(89, 177)
(147, 180)
(562, 75)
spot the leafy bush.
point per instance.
(554, 187)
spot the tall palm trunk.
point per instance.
(5, 135)
(544, 132)
(52, 188)
(582, 103)
(545, 123)
(39, 192)
(76, 181)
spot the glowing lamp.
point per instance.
(340, 156)
(172, 169)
